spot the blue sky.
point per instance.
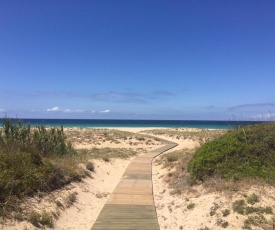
(138, 59)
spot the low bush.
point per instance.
(253, 199)
(44, 219)
(27, 161)
(37, 141)
(247, 152)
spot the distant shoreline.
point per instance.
(112, 123)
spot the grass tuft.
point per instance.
(239, 206)
(43, 219)
(225, 212)
(90, 166)
(242, 208)
(27, 162)
(253, 199)
(71, 199)
(191, 206)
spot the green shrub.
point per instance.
(106, 158)
(253, 199)
(38, 219)
(172, 158)
(247, 152)
(191, 206)
(239, 206)
(225, 212)
(107, 153)
(90, 166)
(225, 224)
(71, 198)
(205, 228)
(46, 219)
(257, 220)
(37, 140)
(34, 218)
(263, 210)
(27, 161)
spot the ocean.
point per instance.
(104, 123)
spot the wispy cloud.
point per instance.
(73, 111)
(162, 93)
(111, 96)
(212, 107)
(2, 110)
(251, 107)
(57, 109)
(118, 97)
(54, 109)
(105, 111)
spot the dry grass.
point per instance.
(177, 161)
(247, 152)
(257, 195)
(200, 135)
(58, 169)
(179, 179)
(41, 219)
(102, 153)
(98, 136)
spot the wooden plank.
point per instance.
(140, 176)
(127, 217)
(131, 205)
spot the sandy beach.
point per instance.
(173, 209)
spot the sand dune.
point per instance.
(173, 210)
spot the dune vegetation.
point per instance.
(247, 152)
(26, 162)
(228, 180)
(37, 160)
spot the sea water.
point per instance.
(104, 123)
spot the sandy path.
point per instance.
(172, 210)
(92, 195)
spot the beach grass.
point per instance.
(39, 160)
(27, 162)
(236, 167)
(102, 135)
(238, 158)
(103, 153)
(244, 155)
(200, 135)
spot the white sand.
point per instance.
(92, 194)
(171, 210)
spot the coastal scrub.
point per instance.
(27, 162)
(247, 152)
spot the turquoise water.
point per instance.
(100, 123)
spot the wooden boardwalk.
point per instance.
(131, 205)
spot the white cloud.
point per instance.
(72, 111)
(57, 109)
(2, 110)
(105, 111)
(54, 109)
